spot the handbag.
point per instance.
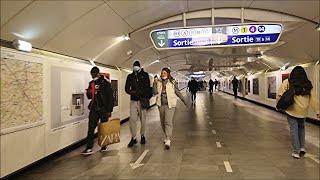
(286, 99)
(145, 103)
(109, 132)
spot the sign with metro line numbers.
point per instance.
(217, 36)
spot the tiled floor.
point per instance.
(254, 140)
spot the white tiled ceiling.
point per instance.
(156, 12)
(305, 8)
(42, 20)
(10, 8)
(89, 29)
(97, 30)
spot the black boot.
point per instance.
(132, 142)
(143, 140)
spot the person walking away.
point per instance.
(166, 93)
(188, 87)
(296, 114)
(193, 89)
(235, 83)
(138, 87)
(216, 84)
(211, 84)
(101, 106)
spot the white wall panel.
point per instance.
(22, 147)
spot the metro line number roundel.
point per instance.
(252, 29)
(244, 29)
(261, 29)
(235, 30)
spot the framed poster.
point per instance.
(114, 86)
(272, 87)
(255, 83)
(249, 86)
(285, 76)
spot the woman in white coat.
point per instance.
(167, 92)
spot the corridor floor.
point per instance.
(218, 138)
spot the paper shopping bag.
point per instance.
(109, 132)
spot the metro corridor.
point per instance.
(218, 138)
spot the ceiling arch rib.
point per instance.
(253, 14)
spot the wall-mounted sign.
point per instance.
(216, 36)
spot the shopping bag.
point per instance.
(109, 132)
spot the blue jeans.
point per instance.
(297, 132)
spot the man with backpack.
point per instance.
(138, 87)
(101, 106)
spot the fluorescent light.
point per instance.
(284, 67)
(92, 63)
(22, 45)
(126, 37)
(199, 72)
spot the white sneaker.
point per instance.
(167, 144)
(87, 152)
(295, 155)
(165, 140)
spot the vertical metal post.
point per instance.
(212, 16)
(184, 20)
(242, 15)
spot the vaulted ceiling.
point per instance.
(93, 30)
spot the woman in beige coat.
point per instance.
(167, 92)
(297, 113)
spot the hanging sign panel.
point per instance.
(216, 36)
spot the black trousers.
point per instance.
(94, 117)
(235, 92)
(193, 96)
(211, 89)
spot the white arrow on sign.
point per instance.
(161, 44)
(137, 163)
(219, 41)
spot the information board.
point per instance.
(216, 36)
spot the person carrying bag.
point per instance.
(294, 97)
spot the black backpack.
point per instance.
(286, 99)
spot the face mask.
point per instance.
(164, 78)
(136, 68)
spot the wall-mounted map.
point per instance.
(21, 92)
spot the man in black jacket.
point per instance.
(235, 83)
(138, 87)
(101, 106)
(194, 86)
(211, 84)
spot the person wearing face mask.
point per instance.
(166, 92)
(138, 87)
(101, 106)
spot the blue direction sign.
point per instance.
(216, 36)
